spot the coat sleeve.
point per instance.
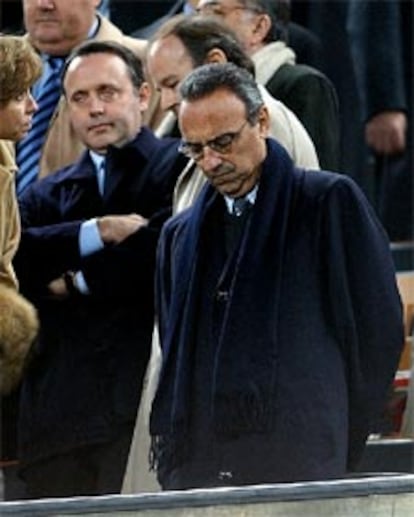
(163, 276)
(9, 232)
(126, 269)
(376, 46)
(47, 248)
(364, 303)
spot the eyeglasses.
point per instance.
(222, 144)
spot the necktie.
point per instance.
(29, 148)
(101, 177)
(240, 205)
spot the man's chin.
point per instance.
(99, 147)
(228, 190)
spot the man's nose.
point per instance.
(210, 159)
(96, 105)
(169, 99)
(45, 4)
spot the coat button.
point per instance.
(222, 296)
(225, 475)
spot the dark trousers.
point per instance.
(86, 471)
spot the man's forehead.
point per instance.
(211, 3)
(167, 47)
(226, 105)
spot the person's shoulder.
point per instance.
(335, 186)
(166, 161)
(108, 30)
(50, 183)
(175, 225)
(295, 75)
(300, 70)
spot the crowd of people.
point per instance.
(193, 282)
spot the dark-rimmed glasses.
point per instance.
(222, 144)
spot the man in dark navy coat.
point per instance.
(280, 321)
(86, 260)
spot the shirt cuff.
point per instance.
(89, 238)
(80, 283)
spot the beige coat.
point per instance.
(62, 147)
(9, 215)
(18, 319)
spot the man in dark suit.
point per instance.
(86, 260)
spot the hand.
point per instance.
(116, 228)
(386, 132)
(57, 288)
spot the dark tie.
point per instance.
(240, 205)
(29, 149)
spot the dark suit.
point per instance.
(82, 388)
(312, 97)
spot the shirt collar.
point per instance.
(188, 8)
(97, 159)
(250, 196)
(94, 28)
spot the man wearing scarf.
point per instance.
(280, 320)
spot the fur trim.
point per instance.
(18, 328)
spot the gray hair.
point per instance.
(206, 79)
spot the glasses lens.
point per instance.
(222, 144)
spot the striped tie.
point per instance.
(29, 149)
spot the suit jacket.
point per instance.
(85, 377)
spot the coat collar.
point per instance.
(144, 145)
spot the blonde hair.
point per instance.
(20, 67)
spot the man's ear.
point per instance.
(263, 120)
(215, 55)
(144, 94)
(262, 27)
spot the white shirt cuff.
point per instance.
(89, 238)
